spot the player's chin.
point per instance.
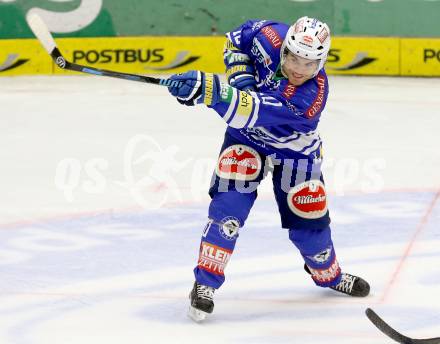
(297, 81)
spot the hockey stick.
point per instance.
(41, 31)
(393, 334)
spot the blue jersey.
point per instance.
(280, 118)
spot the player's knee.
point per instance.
(311, 241)
(231, 206)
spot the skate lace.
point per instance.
(346, 284)
(205, 292)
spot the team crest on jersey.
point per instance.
(308, 200)
(239, 162)
(229, 228)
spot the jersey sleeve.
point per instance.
(241, 38)
(240, 109)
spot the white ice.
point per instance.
(103, 201)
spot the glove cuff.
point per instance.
(240, 69)
(210, 90)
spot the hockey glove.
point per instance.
(240, 71)
(198, 88)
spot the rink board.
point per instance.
(154, 55)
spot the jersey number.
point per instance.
(268, 100)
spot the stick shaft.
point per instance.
(41, 31)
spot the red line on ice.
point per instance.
(421, 226)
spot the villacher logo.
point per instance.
(12, 61)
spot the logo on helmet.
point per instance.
(308, 41)
(323, 35)
(299, 26)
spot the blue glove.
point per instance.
(196, 87)
(240, 71)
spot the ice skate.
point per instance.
(352, 285)
(349, 284)
(202, 304)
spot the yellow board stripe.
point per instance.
(144, 55)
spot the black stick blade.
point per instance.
(393, 334)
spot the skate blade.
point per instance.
(196, 314)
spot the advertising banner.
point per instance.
(146, 55)
(420, 57)
(167, 55)
(364, 56)
(23, 57)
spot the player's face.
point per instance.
(299, 69)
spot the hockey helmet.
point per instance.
(308, 38)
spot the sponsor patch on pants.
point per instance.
(308, 199)
(213, 258)
(326, 275)
(239, 162)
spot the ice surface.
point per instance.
(103, 200)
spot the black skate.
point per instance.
(202, 303)
(349, 284)
(352, 285)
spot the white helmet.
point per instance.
(308, 38)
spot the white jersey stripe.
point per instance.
(231, 105)
(303, 143)
(254, 116)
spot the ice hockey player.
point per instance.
(277, 89)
